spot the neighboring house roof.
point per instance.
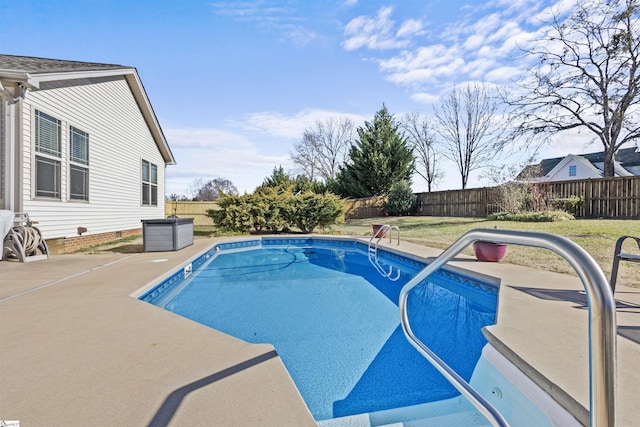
(626, 161)
(594, 171)
(29, 72)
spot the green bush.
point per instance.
(274, 211)
(317, 210)
(401, 199)
(233, 214)
(572, 204)
(270, 210)
(544, 216)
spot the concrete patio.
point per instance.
(77, 350)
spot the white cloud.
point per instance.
(246, 154)
(425, 98)
(411, 28)
(502, 74)
(283, 126)
(269, 15)
(212, 153)
(481, 44)
(197, 138)
(558, 9)
(377, 33)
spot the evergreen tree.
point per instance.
(379, 157)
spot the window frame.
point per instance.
(43, 155)
(149, 183)
(573, 170)
(78, 164)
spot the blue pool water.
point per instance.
(334, 319)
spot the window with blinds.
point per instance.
(79, 146)
(78, 164)
(47, 134)
(149, 184)
(48, 155)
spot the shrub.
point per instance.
(317, 210)
(544, 216)
(269, 209)
(572, 204)
(233, 214)
(401, 199)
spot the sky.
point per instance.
(234, 84)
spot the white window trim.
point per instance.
(36, 154)
(72, 163)
(148, 182)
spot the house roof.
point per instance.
(624, 158)
(28, 72)
(34, 65)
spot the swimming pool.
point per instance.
(333, 318)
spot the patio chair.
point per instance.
(619, 256)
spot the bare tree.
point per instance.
(213, 189)
(324, 148)
(471, 128)
(422, 141)
(585, 76)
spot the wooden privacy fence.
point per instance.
(364, 208)
(195, 210)
(602, 198)
(474, 202)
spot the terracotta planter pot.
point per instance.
(488, 251)
(376, 227)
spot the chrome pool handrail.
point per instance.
(602, 320)
(372, 251)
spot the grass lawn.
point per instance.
(597, 237)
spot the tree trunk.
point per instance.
(609, 158)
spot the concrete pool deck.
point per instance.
(77, 350)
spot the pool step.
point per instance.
(446, 413)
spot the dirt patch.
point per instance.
(128, 249)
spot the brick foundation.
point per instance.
(67, 245)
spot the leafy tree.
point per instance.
(470, 127)
(586, 76)
(379, 157)
(324, 148)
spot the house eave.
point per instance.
(18, 77)
(33, 80)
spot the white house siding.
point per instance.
(3, 166)
(119, 139)
(583, 171)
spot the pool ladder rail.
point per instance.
(602, 320)
(378, 235)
